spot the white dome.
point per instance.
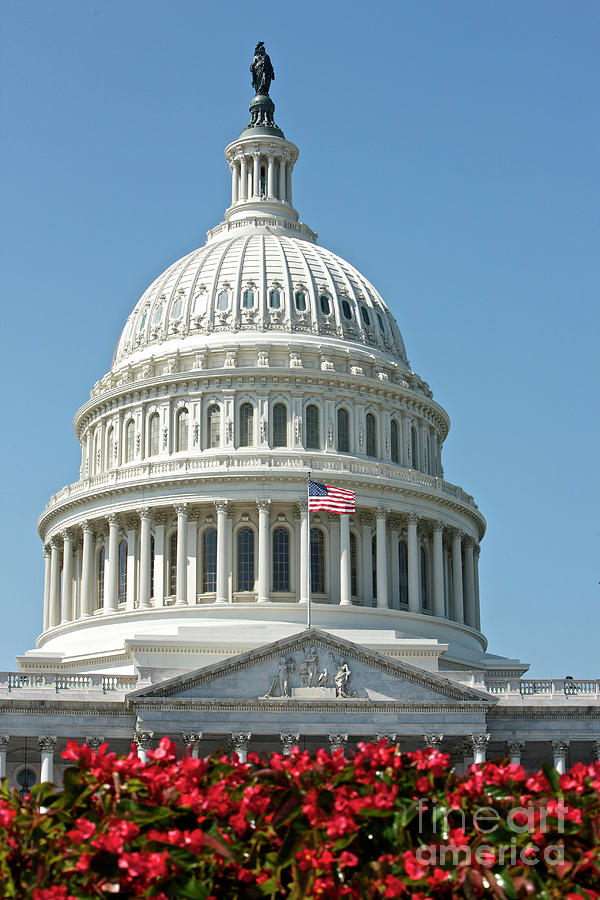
(261, 279)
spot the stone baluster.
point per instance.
(514, 750)
(181, 598)
(192, 740)
(47, 747)
(560, 749)
(382, 563)
(288, 741)
(240, 741)
(221, 507)
(263, 550)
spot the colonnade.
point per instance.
(376, 558)
(256, 176)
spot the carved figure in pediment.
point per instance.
(281, 686)
(323, 679)
(309, 670)
(341, 679)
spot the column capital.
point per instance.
(515, 748)
(302, 506)
(67, 534)
(412, 518)
(337, 741)
(46, 550)
(388, 736)
(143, 739)
(222, 505)
(263, 504)
(47, 744)
(181, 509)
(288, 741)
(560, 748)
(240, 741)
(55, 542)
(438, 526)
(94, 743)
(382, 513)
(131, 524)
(433, 741)
(457, 534)
(366, 518)
(4, 739)
(144, 512)
(159, 518)
(112, 519)
(595, 750)
(191, 738)
(478, 742)
(87, 526)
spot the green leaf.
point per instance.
(194, 890)
(552, 777)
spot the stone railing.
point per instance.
(57, 682)
(230, 462)
(543, 687)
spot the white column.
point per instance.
(143, 742)
(240, 742)
(334, 554)
(47, 583)
(54, 617)
(256, 176)
(479, 744)
(438, 569)
(192, 561)
(221, 506)
(234, 182)
(382, 566)
(303, 507)
(263, 550)
(515, 750)
(3, 751)
(130, 587)
(244, 178)
(144, 514)
(345, 563)
(271, 178)
(229, 553)
(159, 559)
(477, 604)
(559, 754)
(282, 178)
(457, 579)
(395, 561)
(66, 605)
(469, 586)
(47, 746)
(412, 547)
(111, 590)
(87, 569)
(181, 587)
(288, 182)
(366, 540)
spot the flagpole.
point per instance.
(308, 621)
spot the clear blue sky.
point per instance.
(449, 150)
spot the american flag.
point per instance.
(324, 496)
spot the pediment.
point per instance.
(312, 665)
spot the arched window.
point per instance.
(100, 578)
(346, 309)
(371, 443)
(248, 300)
(222, 300)
(108, 450)
(313, 438)
(424, 580)
(353, 565)
(177, 306)
(209, 560)
(245, 559)
(154, 435)
(343, 431)
(122, 571)
(280, 425)
(413, 447)
(380, 320)
(172, 570)
(129, 441)
(181, 429)
(317, 561)
(300, 298)
(275, 299)
(325, 305)
(152, 554)
(365, 316)
(403, 567)
(428, 453)
(281, 559)
(246, 425)
(97, 461)
(394, 441)
(213, 426)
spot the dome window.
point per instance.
(248, 300)
(275, 299)
(157, 314)
(143, 322)
(325, 305)
(222, 300)
(176, 310)
(380, 320)
(346, 309)
(300, 301)
(365, 317)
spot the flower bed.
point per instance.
(379, 823)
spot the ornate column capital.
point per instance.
(560, 748)
(47, 744)
(433, 741)
(288, 741)
(382, 513)
(143, 739)
(263, 504)
(366, 518)
(159, 518)
(478, 742)
(131, 524)
(191, 738)
(412, 518)
(337, 741)
(457, 534)
(47, 551)
(94, 743)
(222, 505)
(438, 526)
(144, 512)
(67, 534)
(240, 741)
(87, 527)
(55, 542)
(181, 508)
(4, 739)
(515, 748)
(112, 519)
(390, 737)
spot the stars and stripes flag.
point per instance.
(325, 496)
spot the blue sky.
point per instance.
(449, 151)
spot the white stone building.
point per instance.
(176, 578)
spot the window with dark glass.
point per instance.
(248, 299)
(100, 578)
(325, 306)
(154, 428)
(209, 560)
(403, 567)
(280, 425)
(413, 448)
(246, 425)
(313, 440)
(365, 316)
(157, 314)
(394, 441)
(300, 298)
(176, 308)
(281, 559)
(109, 446)
(263, 182)
(275, 299)
(353, 565)
(129, 441)
(379, 319)
(122, 571)
(152, 553)
(346, 309)
(182, 429)
(317, 561)
(222, 300)
(343, 431)
(213, 422)
(371, 442)
(172, 567)
(245, 559)
(424, 580)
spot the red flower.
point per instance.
(414, 869)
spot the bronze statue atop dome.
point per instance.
(262, 70)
